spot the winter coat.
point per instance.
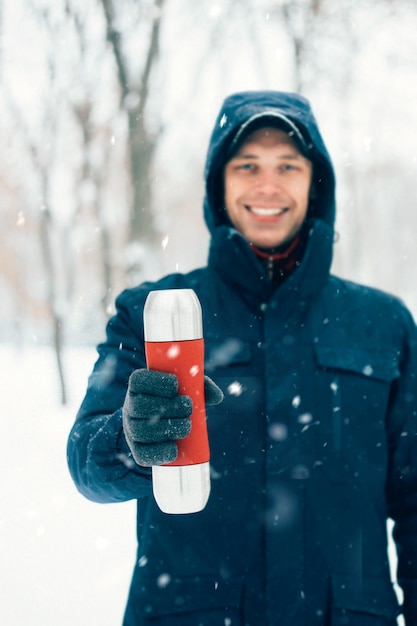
(312, 449)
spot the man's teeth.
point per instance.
(267, 212)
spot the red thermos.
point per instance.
(174, 343)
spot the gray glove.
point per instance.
(154, 414)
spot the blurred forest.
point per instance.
(106, 110)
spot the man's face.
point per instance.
(267, 185)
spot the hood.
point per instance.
(239, 109)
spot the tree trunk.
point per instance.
(142, 142)
(50, 275)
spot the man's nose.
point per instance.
(269, 179)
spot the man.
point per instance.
(315, 443)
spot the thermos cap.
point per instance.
(172, 315)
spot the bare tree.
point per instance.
(93, 139)
(40, 142)
(41, 158)
(299, 19)
(134, 93)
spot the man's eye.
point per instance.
(246, 167)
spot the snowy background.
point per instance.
(64, 560)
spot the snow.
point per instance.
(64, 560)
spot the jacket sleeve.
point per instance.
(402, 474)
(99, 458)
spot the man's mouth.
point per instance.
(266, 211)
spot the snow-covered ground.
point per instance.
(63, 560)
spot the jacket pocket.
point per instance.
(375, 364)
(230, 352)
(190, 600)
(354, 387)
(363, 602)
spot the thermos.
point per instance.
(174, 343)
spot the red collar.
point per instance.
(277, 256)
(280, 264)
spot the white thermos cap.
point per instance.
(172, 315)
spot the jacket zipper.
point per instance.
(270, 267)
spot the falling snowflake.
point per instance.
(278, 432)
(163, 580)
(194, 370)
(173, 351)
(235, 388)
(368, 370)
(296, 401)
(305, 418)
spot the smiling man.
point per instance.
(267, 187)
(267, 194)
(314, 445)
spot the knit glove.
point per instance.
(154, 415)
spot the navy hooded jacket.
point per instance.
(312, 449)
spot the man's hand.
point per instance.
(154, 415)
